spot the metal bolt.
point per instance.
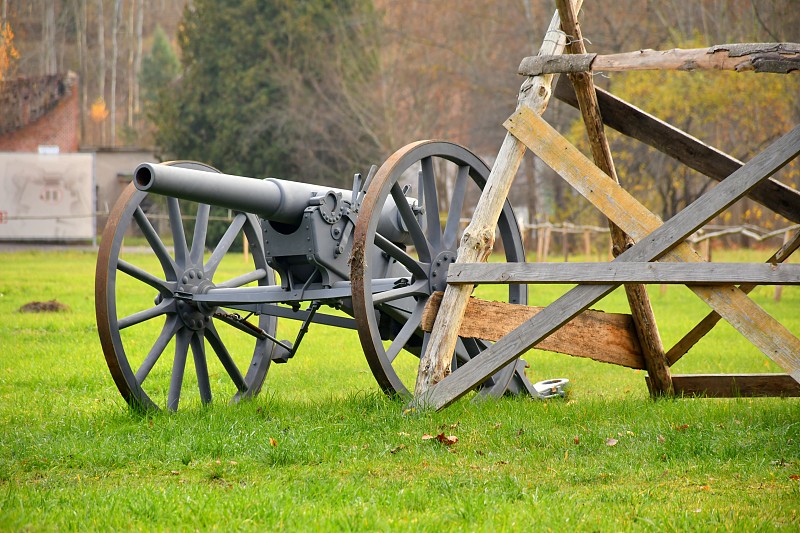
(185, 279)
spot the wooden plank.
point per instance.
(645, 273)
(638, 299)
(709, 321)
(635, 123)
(734, 385)
(772, 338)
(774, 58)
(478, 238)
(605, 337)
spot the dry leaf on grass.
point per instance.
(611, 441)
(441, 437)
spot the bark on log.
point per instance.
(775, 58)
(478, 238)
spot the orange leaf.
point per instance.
(273, 442)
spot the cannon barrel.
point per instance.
(272, 199)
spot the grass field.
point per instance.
(322, 449)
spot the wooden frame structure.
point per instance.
(646, 249)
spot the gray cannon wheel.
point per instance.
(147, 333)
(389, 323)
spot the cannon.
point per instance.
(366, 259)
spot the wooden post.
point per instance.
(638, 299)
(778, 288)
(565, 242)
(587, 243)
(478, 238)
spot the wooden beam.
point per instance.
(568, 161)
(775, 58)
(734, 385)
(635, 123)
(709, 321)
(638, 299)
(605, 337)
(644, 273)
(478, 238)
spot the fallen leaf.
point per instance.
(234, 463)
(273, 442)
(404, 434)
(409, 411)
(661, 439)
(611, 442)
(218, 462)
(576, 440)
(497, 425)
(397, 448)
(682, 428)
(441, 437)
(446, 439)
(175, 472)
(795, 477)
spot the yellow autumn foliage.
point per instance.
(8, 52)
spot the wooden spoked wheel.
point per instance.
(443, 177)
(147, 330)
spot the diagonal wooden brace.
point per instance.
(654, 241)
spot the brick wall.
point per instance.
(58, 126)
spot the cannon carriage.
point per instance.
(374, 255)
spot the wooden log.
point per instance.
(605, 337)
(709, 321)
(775, 58)
(638, 299)
(478, 238)
(633, 122)
(663, 240)
(734, 385)
(643, 273)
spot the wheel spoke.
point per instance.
(400, 255)
(225, 244)
(178, 367)
(178, 234)
(431, 203)
(405, 333)
(244, 279)
(142, 316)
(201, 367)
(145, 277)
(155, 242)
(417, 288)
(456, 205)
(171, 326)
(410, 220)
(200, 232)
(225, 358)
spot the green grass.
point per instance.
(74, 457)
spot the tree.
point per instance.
(160, 67)
(274, 88)
(8, 53)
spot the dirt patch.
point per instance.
(52, 306)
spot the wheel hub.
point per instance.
(437, 275)
(194, 315)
